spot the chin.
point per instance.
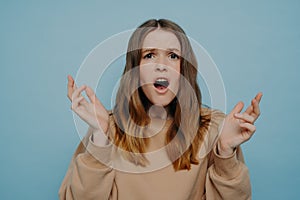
(162, 101)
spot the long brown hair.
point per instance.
(189, 125)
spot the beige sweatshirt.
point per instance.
(100, 173)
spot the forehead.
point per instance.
(161, 39)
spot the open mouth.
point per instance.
(161, 83)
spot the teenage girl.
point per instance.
(159, 142)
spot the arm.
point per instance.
(89, 175)
(228, 176)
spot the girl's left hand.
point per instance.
(238, 127)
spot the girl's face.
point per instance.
(160, 66)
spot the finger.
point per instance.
(249, 110)
(256, 109)
(257, 98)
(245, 117)
(77, 92)
(248, 126)
(237, 108)
(91, 94)
(70, 81)
(80, 112)
(76, 102)
(71, 86)
(93, 98)
(81, 100)
(256, 102)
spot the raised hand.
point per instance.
(92, 111)
(238, 127)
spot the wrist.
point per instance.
(99, 137)
(224, 150)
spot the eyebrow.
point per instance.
(154, 49)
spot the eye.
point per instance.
(148, 56)
(174, 56)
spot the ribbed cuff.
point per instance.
(227, 167)
(101, 153)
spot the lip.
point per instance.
(164, 90)
(161, 91)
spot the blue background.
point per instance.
(254, 43)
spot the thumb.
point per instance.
(237, 108)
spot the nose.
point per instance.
(161, 65)
(160, 68)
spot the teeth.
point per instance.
(161, 82)
(161, 79)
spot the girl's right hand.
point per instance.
(93, 112)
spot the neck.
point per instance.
(159, 118)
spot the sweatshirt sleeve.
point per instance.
(90, 175)
(227, 177)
